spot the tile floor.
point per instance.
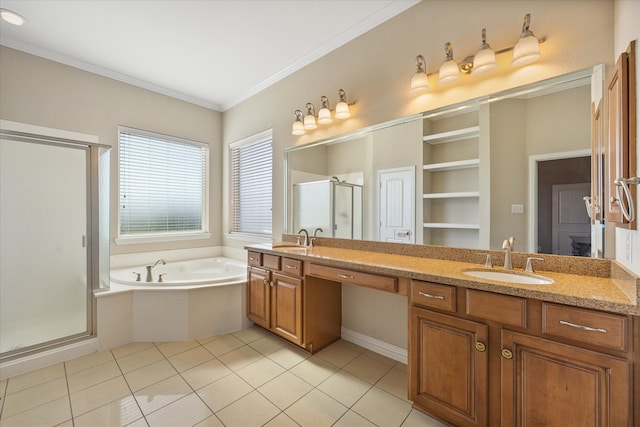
(248, 378)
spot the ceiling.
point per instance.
(212, 53)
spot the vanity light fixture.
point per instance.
(527, 49)
(485, 60)
(324, 115)
(12, 17)
(342, 107)
(310, 117)
(298, 126)
(449, 71)
(419, 81)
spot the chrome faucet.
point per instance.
(508, 246)
(150, 267)
(306, 236)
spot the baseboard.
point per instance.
(389, 350)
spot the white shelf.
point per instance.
(454, 135)
(451, 225)
(458, 164)
(452, 195)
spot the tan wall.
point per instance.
(45, 93)
(375, 68)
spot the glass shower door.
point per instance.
(44, 291)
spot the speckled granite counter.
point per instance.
(590, 283)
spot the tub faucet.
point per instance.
(508, 246)
(150, 267)
(306, 236)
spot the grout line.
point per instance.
(66, 381)
(129, 387)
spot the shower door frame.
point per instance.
(89, 144)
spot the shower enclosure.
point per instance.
(332, 205)
(53, 224)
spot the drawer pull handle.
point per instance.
(253, 259)
(480, 346)
(506, 354)
(265, 281)
(345, 276)
(584, 328)
(292, 267)
(431, 296)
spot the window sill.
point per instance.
(134, 240)
(249, 238)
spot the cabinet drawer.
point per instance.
(291, 267)
(603, 329)
(383, 283)
(254, 259)
(505, 309)
(271, 261)
(433, 295)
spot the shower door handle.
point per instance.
(84, 241)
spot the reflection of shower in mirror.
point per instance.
(333, 205)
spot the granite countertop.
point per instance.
(612, 292)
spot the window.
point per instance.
(163, 186)
(251, 178)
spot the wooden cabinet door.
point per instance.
(548, 384)
(448, 367)
(259, 296)
(286, 307)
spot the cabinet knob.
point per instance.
(480, 346)
(265, 281)
(271, 283)
(506, 353)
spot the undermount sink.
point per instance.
(510, 277)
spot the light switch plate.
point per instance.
(517, 209)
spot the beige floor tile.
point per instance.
(160, 394)
(205, 373)
(284, 390)
(68, 423)
(314, 370)
(3, 387)
(150, 374)
(223, 392)
(241, 357)
(212, 421)
(33, 378)
(190, 358)
(367, 368)
(250, 334)
(99, 395)
(345, 388)
(351, 419)
(34, 396)
(89, 361)
(186, 412)
(92, 376)
(316, 409)
(260, 372)
(140, 423)
(268, 344)
(139, 359)
(206, 340)
(172, 348)
(338, 353)
(51, 413)
(395, 382)
(251, 410)
(281, 420)
(289, 356)
(382, 408)
(223, 345)
(380, 358)
(132, 347)
(121, 412)
(418, 419)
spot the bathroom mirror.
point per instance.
(469, 175)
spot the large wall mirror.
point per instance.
(515, 163)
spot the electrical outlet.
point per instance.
(517, 209)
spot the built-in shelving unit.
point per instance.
(451, 161)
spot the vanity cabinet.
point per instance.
(305, 312)
(482, 359)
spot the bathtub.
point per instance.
(191, 273)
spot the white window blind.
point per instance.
(163, 184)
(251, 183)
